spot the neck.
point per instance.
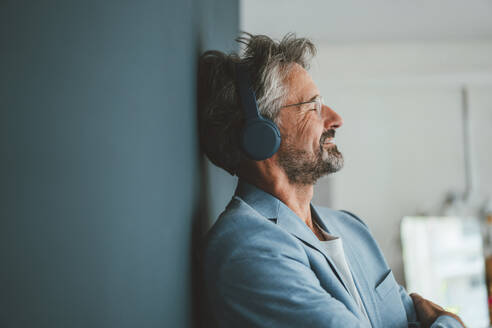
(275, 182)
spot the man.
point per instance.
(273, 259)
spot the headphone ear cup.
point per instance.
(260, 139)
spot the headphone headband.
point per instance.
(260, 137)
(246, 92)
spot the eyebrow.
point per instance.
(303, 102)
(314, 97)
(309, 100)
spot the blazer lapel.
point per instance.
(357, 269)
(288, 220)
(277, 212)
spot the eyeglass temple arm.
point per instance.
(298, 104)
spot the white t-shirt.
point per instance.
(334, 247)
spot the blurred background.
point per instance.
(105, 196)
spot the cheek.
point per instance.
(316, 143)
(307, 134)
(315, 134)
(306, 139)
(303, 134)
(309, 141)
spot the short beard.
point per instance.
(303, 168)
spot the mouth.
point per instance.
(329, 141)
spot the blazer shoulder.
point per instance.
(353, 216)
(237, 218)
(242, 232)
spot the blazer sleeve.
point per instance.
(443, 321)
(409, 307)
(275, 290)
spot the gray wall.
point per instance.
(100, 175)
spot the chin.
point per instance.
(329, 153)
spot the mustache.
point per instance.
(327, 134)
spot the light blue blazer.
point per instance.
(263, 267)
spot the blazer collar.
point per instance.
(273, 209)
(264, 203)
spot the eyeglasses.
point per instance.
(318, 103)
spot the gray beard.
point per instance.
(303, 168)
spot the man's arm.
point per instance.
(434, 316)
(424, 313)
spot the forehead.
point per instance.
(300, 85)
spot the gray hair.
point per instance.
(220, 116)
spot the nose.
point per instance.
(331, 118)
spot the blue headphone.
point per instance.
(260, 137)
